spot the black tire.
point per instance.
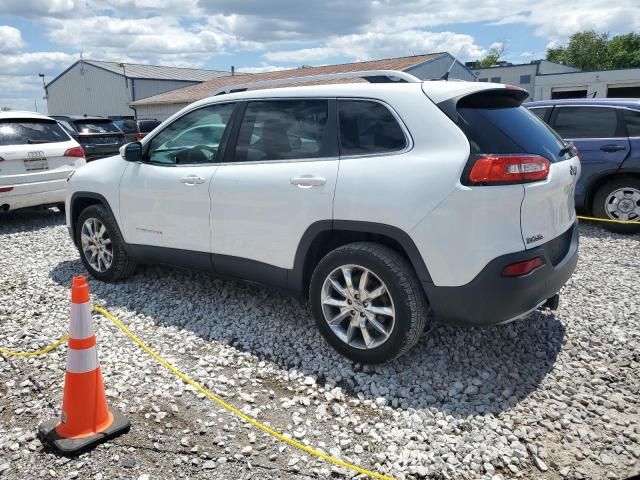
(61, 207)
(403, 288)
(122, 266)
(599, 207)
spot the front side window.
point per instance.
(283, 130)
(586, 122)
(26, 132)
(368, 127)
(193, 138)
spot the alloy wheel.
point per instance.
(358, 307)
(96, 245)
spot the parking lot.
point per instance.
(553, 396)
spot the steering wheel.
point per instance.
(201, 150)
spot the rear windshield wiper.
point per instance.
(31, 141)
(566, 149)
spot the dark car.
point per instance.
(606, 132)
(135, 130)
(99, 136)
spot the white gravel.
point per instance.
(554, 396)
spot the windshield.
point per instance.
(24, 132)
(96, 126)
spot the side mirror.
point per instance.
(132, 152)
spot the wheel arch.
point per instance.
(80, 201)
(326, 235)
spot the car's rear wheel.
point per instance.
(367, 302)
(619, 199)
(101, 246)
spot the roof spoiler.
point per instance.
(372, 76)
(508, 96)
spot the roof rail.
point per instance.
(372, 76)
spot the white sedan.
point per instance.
(36, 157)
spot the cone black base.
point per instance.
(70, 447)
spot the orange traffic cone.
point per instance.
(86, 419)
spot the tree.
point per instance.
(5, 109)
(492, 58)
(590, 50)
(624, 51)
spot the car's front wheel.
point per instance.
(619, 199)
(368, 302)
(101, 246)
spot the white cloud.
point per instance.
(368, 46)
(10, 39)
(263, 68)
(34, 8)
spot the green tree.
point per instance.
(5, 109)
(586, 50)
(624, 51)
(492, 58)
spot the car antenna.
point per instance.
(445, 77)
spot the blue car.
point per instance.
(606, 132)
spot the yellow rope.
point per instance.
(595, 219)
(42, 351)
(233, 410)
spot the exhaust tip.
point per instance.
(4, 208)
(552, 303)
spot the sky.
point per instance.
(47, 36)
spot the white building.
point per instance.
(546, 80)
(94, 87)
(523, 75)
(618, 83)
(427, 67)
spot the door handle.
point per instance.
(192, 180)
(611, 147)
(308, 181)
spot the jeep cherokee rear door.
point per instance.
(277, 179)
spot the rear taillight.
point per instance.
(519, 269)
(74, 152)
(499, 169)
(5, 189)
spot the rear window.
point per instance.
(509, 129)
(96, 126)
(147, 125)
(24, 132)
(127, 126)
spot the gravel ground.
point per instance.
(555, 396)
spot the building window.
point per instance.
(483, 79)
(495, 79)
(525, 79)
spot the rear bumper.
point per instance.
(492, 298)
(33, 194)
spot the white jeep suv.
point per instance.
(380, 201)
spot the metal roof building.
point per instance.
(426, 67)
(92, 87)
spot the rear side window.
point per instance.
(586, 122)
(540, 112)
(96, 126)
(147, 125)
(509, 129)
(25, 132)
(127, 126)
(283, 130)
(632, 120)
(368, 127)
